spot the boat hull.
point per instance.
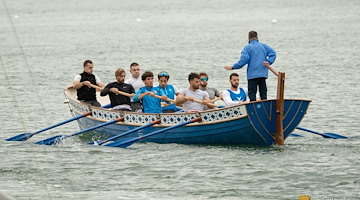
(251, 123)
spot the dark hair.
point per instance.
(203, 74)
(233, 74)
(87, 62)
(146, 74)
(253, 35)
(133, 64)
(164, 74)
(193, 75)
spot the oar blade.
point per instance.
(20, 137)
(333, 136)
(96, 142)
(123, 143)
(52, 141)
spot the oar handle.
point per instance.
(119, 92)
(198, 101)
(215, 99)
(168, 99)
(96, 87)
(125, 94)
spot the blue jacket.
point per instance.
(150, 104)
(254, 54)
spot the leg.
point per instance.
(135, 106)
(93, 103)
(262, 88)
(96, 103)
(252, 89)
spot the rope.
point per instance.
(42, 175)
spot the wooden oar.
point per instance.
(119, 92)
(168, 99)
(215, 99)
(198, 101)
(26, 136)
(96, 87)
(56, 139)
(126, 133)
(325, 135)
(129, 141)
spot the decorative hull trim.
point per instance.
(251, 123)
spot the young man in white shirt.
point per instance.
(187, 96)
(136, 82)
(135, 79)
(234, 95)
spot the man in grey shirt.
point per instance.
(187, 96)
(213, 92)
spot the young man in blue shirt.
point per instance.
(169, 90)
(254, 55)
(146, 94)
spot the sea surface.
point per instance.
(44, 43)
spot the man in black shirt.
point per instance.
(85, 82)
(119, 101)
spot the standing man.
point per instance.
(213, 92)
(254, 55)
(136, 82)
(234, 95)
(118, 101)
(186, 96)
(83, 83)
(146, 94)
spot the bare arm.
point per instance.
(101, 85)
(77, 84)
(228, 68)
(180, 99)
(207, 102)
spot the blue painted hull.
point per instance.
(252, 123)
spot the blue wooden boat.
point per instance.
(255, 123)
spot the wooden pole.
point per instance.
(279, 135)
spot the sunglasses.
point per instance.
(163, 74)
(204, 79)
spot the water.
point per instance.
(43, 45)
